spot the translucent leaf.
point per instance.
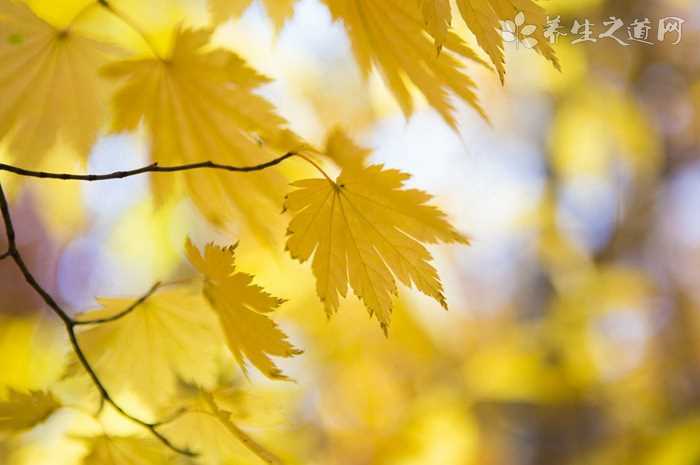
(364, 230)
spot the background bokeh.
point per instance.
(573, 335)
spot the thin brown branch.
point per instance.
(124, 312)
(152, 168)
(70, 325)
(5, 255)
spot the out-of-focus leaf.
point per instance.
(279, 11)
(126, 450)
(343, 150)
(48, 68)
(198, 105)
(173, 334)
(25, 410)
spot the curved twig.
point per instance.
(70, 325)
(152, 168)
(123, 313)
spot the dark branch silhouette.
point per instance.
(152, 168)
(123, 313)
(70, 325)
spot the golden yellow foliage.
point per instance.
(405, 55)
(50, 88)
(365, 230)
(208, 428)
(279, 11)
(437, 15)
(483, 16)
(344, 151)
(128, 450)
(198, 105)
(173, 334)
(242, 308)
(25, 410)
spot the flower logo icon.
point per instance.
(519, 32)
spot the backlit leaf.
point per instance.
(24, 410)
(365, 230)
(242, 308)
(116, 450)
(198, 105)
(173, 334)
(50, 89)
(405, 55)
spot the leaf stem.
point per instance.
(126, 19)
(315, 165)
(70, 325)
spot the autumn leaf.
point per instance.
(125, 450)
(242, 308)
(482, 21)
(404, 54)
(344, 151)
(483, 16)
(279, 11)
(171, 335)
(209, 428)
(50, 88)
(198, 104)
(22, 411)
(437, 15)
(365, 230)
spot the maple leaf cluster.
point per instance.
(198, 102)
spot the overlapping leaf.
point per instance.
(279, 11)
(173, 334)
(24, 410)
(50, 89)
(344, 151)
(364, 230)
(125, 450)
(483, 16)
(437, 15)
(390, 34)
(198, 105)
(242, 308)
(208, 428)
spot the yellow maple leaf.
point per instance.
(241, 307)
(482, 21)
(172, 334)
(125, 450)
(279, 11)
(198, 105)
(405, 54)
(366, 229)
(50, 91)
(208, 427)
(437, 15)
(22, 410)
(344, 151)
(483, 16)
